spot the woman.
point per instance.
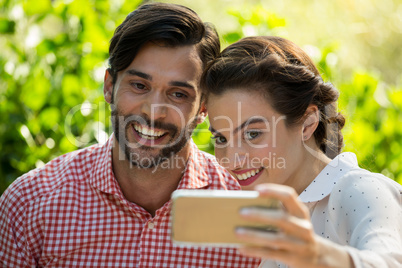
(277, 130)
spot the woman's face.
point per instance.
(252, 140)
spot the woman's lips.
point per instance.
(247, 177)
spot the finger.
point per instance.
(277, 241)
(290, 225)
(288, 197)
(292, 259)
(263, 253)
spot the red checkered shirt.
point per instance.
(72, 213)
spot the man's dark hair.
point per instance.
(169, 24)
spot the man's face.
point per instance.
(155, 102)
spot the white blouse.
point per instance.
(358, 209)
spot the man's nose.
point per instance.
(155, 107)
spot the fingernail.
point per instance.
(262, 188)
(245, 211)
(240, 230)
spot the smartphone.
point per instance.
(210, 217)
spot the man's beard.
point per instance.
(136, 152)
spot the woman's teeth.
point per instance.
(247, 175)
(148, 132)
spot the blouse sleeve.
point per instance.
(369, 218)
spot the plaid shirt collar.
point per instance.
(102, 176)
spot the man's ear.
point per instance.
(202, 114)
(311, 121)
(108, 86)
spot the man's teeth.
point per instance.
(151, 133)
(247, 175)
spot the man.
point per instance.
(109, 205)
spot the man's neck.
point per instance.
(149, 188)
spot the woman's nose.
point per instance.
(236, 157)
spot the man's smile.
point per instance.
(148, 133)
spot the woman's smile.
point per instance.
(247, 176)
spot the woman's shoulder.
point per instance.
(362, 188)
(357, 179)
(367, 207)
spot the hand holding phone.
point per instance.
(210, 217)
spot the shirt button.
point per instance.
(151, 225)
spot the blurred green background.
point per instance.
(53, 56)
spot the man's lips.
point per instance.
(148, 136)
(149, 133)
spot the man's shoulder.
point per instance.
(66, 169)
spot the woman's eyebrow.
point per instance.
(249, 122)
(245, 123)
(213, 131)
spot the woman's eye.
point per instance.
(219, 139)
(249, 135)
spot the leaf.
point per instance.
(37, 7)
(72, 90)
(7, 26)
(50, 117)
(35, 91)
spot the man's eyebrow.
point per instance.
(149, 77)
(140, 74)
(182, 84)
(249, 122)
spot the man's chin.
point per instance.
(145, 163)
(150, 157)
(144, 157)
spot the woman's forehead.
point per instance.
(237, 109)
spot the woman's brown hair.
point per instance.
(286, 76)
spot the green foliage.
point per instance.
(373, 109)
(374, 112)
(52, 60)
(254, 20)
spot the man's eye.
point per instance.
(138, 86)
(219, 139)
(179, 95)
(249, 135)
